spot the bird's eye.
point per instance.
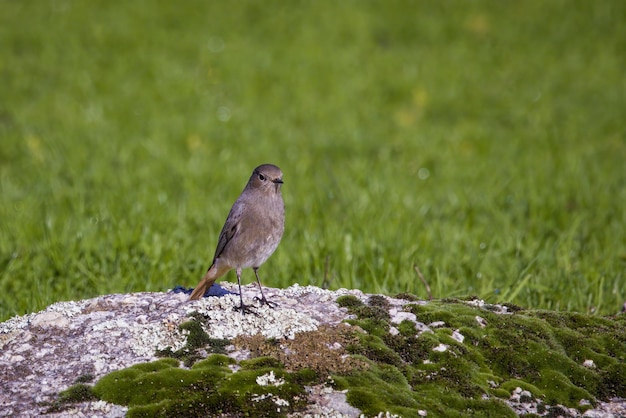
(261, 177)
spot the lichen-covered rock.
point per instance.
(319, 353)
(44, 353)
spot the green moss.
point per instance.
(558, 389)
(407, 296)
(374, 317)
(429, 314)
(540, 351)
(260, 363)
(85, 378)
(375, 349)
(401, 372)
(378, 301)
(378, 388)
(197, 339)
(511, 384)
(371, 325)
(375, 313)
(406, 328)
(385, 388)
(161, 388)
(305, 377)
(409, 348)
(613, 381)
(513, 307)
(214, 360)
(76, 393)
(348, 301)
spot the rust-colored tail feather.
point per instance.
(207, 281)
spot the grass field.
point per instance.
(482, 141)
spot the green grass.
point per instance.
(481, 141)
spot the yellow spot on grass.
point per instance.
(35, 147)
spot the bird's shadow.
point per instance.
(214, 290)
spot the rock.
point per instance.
(44, 353)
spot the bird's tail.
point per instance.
(207, 281)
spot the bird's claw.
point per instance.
(244, 309)
(264, 301)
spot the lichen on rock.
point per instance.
(320, 352)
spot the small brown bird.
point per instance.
(252, 231)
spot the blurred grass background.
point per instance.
(482, 141)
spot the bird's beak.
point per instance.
(277, 184)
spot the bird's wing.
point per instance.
(231, 226)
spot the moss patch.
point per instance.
(386, 388)
(349, 301)
(474, 357)
(198, 342)
(79, 392)
(323, 351)
(209, 388)
(469, 363)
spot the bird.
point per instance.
(251, 233)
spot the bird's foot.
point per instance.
(264, 301)
(245, 309)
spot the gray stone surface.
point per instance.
(44, 353)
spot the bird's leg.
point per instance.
(262, 298)
(243, 308)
